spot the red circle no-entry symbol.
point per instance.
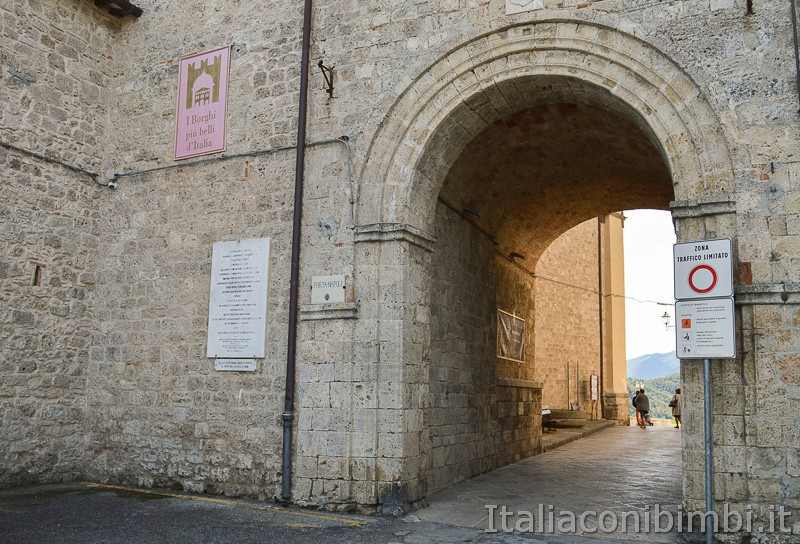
(703, 278)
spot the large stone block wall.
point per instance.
(53, 88)
(568, 320)
(476, 421)
(181, 422)
(461, 417)
(50, 220)
(160, 413)
(263, 84)
(55, 79)
(754, 397)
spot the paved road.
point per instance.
(596, 472)
(620, 470)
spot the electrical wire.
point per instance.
(226, 156)
(45, 158)
(533, 274)
(581, 288)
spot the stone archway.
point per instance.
(488, 79)
(459, 96)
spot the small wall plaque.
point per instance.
(327, 289)
(235, 365)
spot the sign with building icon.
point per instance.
(202, 103)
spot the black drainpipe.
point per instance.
(294, 281)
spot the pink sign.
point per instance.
(202, 103)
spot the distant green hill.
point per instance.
(659, 391)
(653, 365)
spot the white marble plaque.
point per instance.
(237, 310)
(521, 6)
(235, 365)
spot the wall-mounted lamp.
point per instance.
(666, 318)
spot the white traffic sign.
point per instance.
(705, 329)
(703, 269)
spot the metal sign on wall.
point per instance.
(705, 326)
(202, 103)
(327, 289)
(703, 269)
(705, 329)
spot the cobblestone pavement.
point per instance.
(618, 470)
(600, 472)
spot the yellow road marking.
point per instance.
(348, 521)
(7, 511)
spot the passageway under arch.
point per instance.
(528, 233)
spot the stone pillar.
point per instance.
(393, 335)
(615, 390)
(617, 408)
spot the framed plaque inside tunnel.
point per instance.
(510, 337)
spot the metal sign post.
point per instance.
(709, 450)
(705, 326)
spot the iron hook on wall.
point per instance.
(327, 73)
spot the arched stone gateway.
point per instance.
(475, 85)
(424, 155)
(489, 147)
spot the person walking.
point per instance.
(675, 404)
(643, 406)
(636, 408)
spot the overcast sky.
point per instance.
(649, 236)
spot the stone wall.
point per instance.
(55, 79)
(264, 78)
(160, 413)
(50, 222)
(54, 76)
(567, 325)
(709, 84)
(754, 398)
(483, 412)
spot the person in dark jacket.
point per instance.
(675, 404)
(642, 403)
